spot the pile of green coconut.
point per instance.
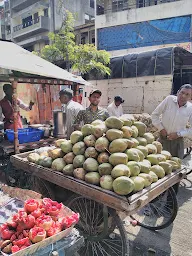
(117, 155)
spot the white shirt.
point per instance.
(114, 110)
(20, 103)
(174, 118)
(71, 109)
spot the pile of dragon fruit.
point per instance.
(32, 224)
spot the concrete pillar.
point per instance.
(52, 15)
(107, 6)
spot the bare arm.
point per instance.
(25, 107)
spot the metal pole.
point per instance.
(95, 5)
(15, 116)
(67, 59)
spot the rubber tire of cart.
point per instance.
(170, 220)
(116, 222)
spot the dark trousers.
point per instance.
(176, 148)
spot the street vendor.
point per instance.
(115, 108)
(70, 107)
(176, 112)
(6, 108)
(93, 112)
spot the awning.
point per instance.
(14, 57)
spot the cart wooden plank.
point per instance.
(8, 147)
(128, 204)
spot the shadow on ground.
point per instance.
(174, 240)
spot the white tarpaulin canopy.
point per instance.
(14, 57)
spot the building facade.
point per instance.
(2, 20)
(28, 23)
(126, 26)
(85, 34)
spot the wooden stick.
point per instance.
(15, 116)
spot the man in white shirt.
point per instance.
(70, 107)
(176, 112)
(115, 108)
(171, 118)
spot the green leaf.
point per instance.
(83, 58)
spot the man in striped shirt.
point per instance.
(93, 112)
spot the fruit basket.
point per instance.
(13, 207)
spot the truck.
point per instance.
(144, 79)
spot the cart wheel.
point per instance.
(16, 178)
(101, 227)
(41, 186)
(21, 179)
(159, 213)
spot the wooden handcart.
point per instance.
(102, 211)
(15, 177)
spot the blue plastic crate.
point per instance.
(26, 135)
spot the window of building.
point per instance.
(30, 48)
(87, 18)
(28, 21)
(119, 5)
(8, 28)
(100, 10)
(46, 12)
(92, 3)
(93, 40)
(141, 3)
(36, 17)
(83, 40)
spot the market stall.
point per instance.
(29, 69)
(107, 177)
(17, 66)
(34, 70)
(102, 189)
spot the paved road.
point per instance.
(176, 240)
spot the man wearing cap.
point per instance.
(93, 112)
(70, 107)
(115, 108)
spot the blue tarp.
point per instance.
(148, 33)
